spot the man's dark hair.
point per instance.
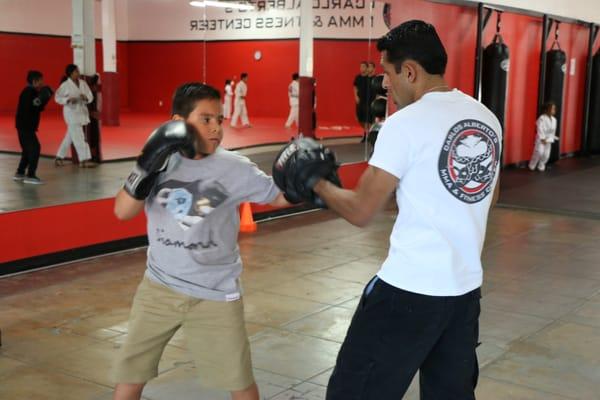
(33, 75)
(295, 76)
(187, 95)
(244, 75)
(371, 63)
(364, 63)
(415, 40)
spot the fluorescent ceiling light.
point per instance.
(221, 4)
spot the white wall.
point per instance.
(171, 19)
(584, 10)
(53, 17)
(177, 20)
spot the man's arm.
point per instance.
(360, 205)
(496, 193)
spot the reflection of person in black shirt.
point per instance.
(95, 108)
(361, 97)
(32, 101)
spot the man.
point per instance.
(361, 92)
(371, 69)
(440, 154)
(32, 101)
(239, 105)
(294, 97)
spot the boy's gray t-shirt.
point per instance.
(193, 222)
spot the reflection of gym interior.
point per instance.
(69, 268)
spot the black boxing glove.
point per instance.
(45, 95)
(167, 139)
(299, 166)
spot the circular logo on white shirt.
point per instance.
(468, 160)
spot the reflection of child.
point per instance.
(227, 98)
(546, 135)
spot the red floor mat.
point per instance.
(126, 140)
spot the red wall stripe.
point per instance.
(46, 230)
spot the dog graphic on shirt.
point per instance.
(190, 202)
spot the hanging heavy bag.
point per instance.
(556, 68)
(495, 77)
(594, 120)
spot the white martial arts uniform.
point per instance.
(546, 135)
(227, 101)
(76, 115)
(294, 95)
(239, 105)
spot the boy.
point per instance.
(192, 279)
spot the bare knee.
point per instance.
(250, 393)
(128, 391)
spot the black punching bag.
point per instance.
(594, 120)
(494, 77)
(556, 68)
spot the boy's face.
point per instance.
(38, 83)
(207, 118)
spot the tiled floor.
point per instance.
(540, 323)
(571, 187)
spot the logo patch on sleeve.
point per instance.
(468, 160)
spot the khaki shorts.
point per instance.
(214, 331)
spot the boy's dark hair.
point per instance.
(548, 106)
(295, 76)
(372, 64)
(33, 75)
(415, 40)
(364, 63)
(187, 95)
(244, 75)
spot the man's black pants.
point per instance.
(30, 154)
(394, 333)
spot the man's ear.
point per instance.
(411, 71)
(177, 117)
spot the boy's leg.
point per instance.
(216, 336)
(64, 145)
(535, 157)
(245, 120)
(34, 157)
(155, 316)
(128, 391)
(250, 393)
(236, 114)
(25, 143)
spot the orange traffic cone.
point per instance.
(247, 224)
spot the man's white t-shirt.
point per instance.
(445, 150)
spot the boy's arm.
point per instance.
(127, 207)
(280, 202)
